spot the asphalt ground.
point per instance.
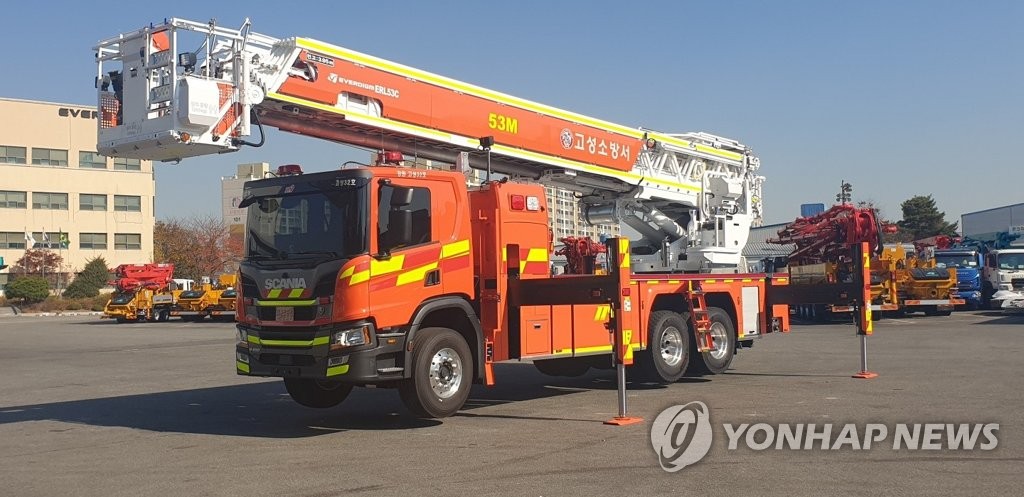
(93, 408)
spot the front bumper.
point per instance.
(307, 354)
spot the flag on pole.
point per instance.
(46, 238)
(30, 241)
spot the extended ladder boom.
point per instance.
(162, 98)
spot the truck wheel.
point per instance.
(319, 394)
(163, 315)
(562, 367)
(723, 332)
(121, 320)
(442, 374)
(668, 349)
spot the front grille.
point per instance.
(304, 313)
(300, 334)
(286, 359)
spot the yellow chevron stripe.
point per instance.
(415, 275)
(454, 249)
(273, 294)
(296, 293)
(379, 267)
(347, 272)
(360, 277)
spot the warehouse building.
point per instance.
(56, 192)
(989, 223)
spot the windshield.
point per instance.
(322, 217)
(122, 298)
(957, 261)
(1010, 261)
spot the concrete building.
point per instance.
(56, 190)
(231, 194)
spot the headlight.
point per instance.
(350, 338)
(241, 338)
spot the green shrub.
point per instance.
(75, 305)
(88, 283)
(29, 289)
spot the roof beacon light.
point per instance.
(392, 157)
(518, 202)
(289, 170)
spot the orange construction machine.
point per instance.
(393, 276)
(143, 292)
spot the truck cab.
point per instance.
(1003, 276)
(968, 263)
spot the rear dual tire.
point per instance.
(718, 359)
(668, 349)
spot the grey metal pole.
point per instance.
(863, 352)
(621, 373)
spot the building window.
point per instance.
(122, 164)
(13, 200)
(127, 203)
(55, 201)
(91, 160)
(95, 241)
(127, 241)
(12, 155)
(49, 157)
(12, 240)
(92, 202)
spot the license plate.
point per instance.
(285, 314)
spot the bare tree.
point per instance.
(197, 246)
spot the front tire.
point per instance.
(442, 374)
(318, 394)
(668, 349)
(723, 332)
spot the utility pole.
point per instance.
(845, 192)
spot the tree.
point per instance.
(43, 262)
(88, 283)
(922, 219)
(897, 237)
(30, 289)
(198, 246)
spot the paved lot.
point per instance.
(88, 407)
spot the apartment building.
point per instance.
(56, 192)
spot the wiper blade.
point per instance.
(318, 253)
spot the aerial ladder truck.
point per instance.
(390, 276)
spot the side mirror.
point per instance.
(401, 196)
(401, 226)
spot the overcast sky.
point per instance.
(898, 98)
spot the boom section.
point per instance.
(163, 98)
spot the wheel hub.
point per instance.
(445, 373)
(672, 346)
(720, 337)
